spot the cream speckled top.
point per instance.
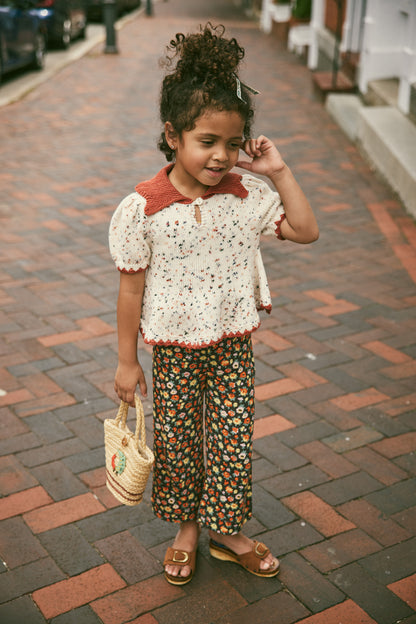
(204, 281)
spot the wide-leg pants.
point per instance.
(203, 457)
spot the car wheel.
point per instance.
(66, 33)
(83, 32)
(39, 52)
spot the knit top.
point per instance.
(204, 281)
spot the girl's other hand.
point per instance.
(266, 159)
(126, 380)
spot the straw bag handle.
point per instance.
(140, 434)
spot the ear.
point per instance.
(171, 135)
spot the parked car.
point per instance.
(22, 36)
(95, 8)
(65, 20)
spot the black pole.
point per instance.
(149, 8)
(109, 15)
(335, 65)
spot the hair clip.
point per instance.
(239, 90)
(251, 89)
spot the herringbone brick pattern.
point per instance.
(334, 462)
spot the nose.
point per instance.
(220, 153)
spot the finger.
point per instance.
(244, 164)
(124, 395)
(130, 399)
(263, 145)
(245, 147)
(143, 387)
(251, 148)
(258, 146)
(141, 381)
(118, 391)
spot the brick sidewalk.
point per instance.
(334, 461)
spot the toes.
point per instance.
(185, 571)
(172, 570)
(176, 571)
(269, 563)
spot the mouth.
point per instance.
(215, 171)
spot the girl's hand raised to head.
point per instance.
(266, 159)
(300, 224)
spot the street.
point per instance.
(334, 438)
(17, 85)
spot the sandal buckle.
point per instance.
(177, 556)
(260, 549)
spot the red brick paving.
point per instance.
(318, 513)
(335, 422)
(78, 590)
(388, 353)
(348, 611)
(276, 388)
(337, 551)
(334, 464)
(271, 424)
(377, 466)
(19, 503)
(272, 339)
(406, 590)
(63, 512)
(135, 600)
(356, 400)
(377, 525)
(399, 445)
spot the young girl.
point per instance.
(192, 280)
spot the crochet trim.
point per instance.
(132, 270)
(176, 343)
(278, 227)
(160, 193)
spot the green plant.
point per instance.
(301, 9)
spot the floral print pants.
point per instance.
(209, 482)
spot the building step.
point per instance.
(389, 140)
(382, 92)
(345, 109)
(326, 82)
(385, 136)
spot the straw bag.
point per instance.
(128, 460)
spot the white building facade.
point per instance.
(381, 33)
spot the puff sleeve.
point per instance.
(269, 205)
(128, 243)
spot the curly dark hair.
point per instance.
(202, 74)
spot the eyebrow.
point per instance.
(217, 136)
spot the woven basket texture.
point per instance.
(127, 458)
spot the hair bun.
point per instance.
(206, 56)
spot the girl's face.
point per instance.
(206, 153)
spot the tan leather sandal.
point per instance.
(250, 560)
(180, 558)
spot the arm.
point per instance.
(300, 224)
(129, 372)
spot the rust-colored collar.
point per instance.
(159, 192)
